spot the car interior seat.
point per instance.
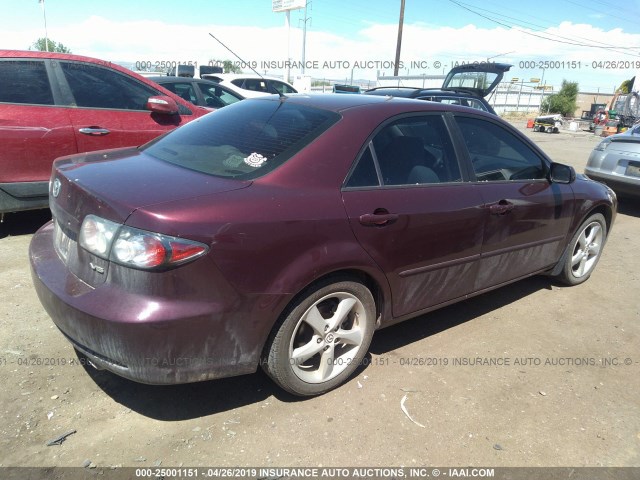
(399, 159)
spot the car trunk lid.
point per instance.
(478, 78)
(126, 180)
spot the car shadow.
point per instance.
(23, 223)
(194, 400)
(183, 402)
(629, 206)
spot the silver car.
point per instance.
(616, 162)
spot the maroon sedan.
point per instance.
(282, 232)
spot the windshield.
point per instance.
(245, 140)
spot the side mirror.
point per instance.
(560, 173)
(162, 104)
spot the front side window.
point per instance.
(498, 155)
(243, 141)
(93, 86)
(25, 82)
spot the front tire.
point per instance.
(584, 251)
(322, 339)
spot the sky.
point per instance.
(596, 44)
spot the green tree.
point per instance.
(563, 102)
(625, 87)
(42, 43)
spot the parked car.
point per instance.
(283, 231)
(465, 85)
(57, 104)
(251, 85)
(616, 162)
(200, 92)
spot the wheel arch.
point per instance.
(605, 210)
(378, 290)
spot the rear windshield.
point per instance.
(244, 140)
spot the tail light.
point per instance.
(136, 248)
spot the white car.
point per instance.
(251, 85)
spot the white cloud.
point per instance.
(131, 41)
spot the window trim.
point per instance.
(369, 144)
(464, 151)
(69, 98)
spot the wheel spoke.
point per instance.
(575, 260)
(344, 307)
(593, 232)
(350, 337)
(308, 350)
(316, 320)
(326, 364)
(581, 268)
(582, 239)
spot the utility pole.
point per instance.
(399, 43)
(46, 35)
(304, 35)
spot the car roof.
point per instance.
(414, 92)
(341, 103)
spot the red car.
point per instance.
(53, 105)
(282, 231)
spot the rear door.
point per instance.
(527, 217)
(33, 129)
(110, 107)
(412, 210)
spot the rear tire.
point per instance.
(322, 338)
(584, 251)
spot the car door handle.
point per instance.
(500, 208)
(94, 131)
(378, 219)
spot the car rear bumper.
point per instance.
(620, 184)
(145, 338)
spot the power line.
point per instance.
(520, 22)
(511, 27)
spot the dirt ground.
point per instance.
(532, 374)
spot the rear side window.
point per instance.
(245, 140)
(498, 155)
(25, 82)
(93, 86)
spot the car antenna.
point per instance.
(280, 94)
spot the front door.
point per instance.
(527, 216)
